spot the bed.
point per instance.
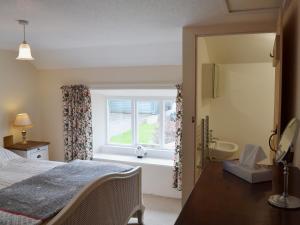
(111, 199)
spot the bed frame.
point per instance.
(110, 200)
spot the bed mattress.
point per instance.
(18, 169)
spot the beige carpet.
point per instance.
(160, 210)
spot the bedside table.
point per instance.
(31, 150)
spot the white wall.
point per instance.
(18, 93)
(226, 49)
(243, 112)
(202, 103)
(50, 82)
(99, 120)
(157, 179)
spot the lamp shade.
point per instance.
(24, 52)
(23, 120)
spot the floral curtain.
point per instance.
(177, 175)
(77, 118)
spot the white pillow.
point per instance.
(7, 155)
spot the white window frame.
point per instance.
(134, 119)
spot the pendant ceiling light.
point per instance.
(24, 48)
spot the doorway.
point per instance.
(235, 89)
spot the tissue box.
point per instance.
(259, 174)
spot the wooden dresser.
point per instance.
(31, 150)
(220, 198)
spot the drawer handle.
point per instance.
(39, 156)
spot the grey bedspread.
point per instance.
(40, 197)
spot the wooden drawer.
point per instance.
(39, 149)
(39, 153)
(36, 153)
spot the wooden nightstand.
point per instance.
(31, 150)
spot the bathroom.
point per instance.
(235, 99)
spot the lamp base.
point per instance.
(24, 141)
(286, 202)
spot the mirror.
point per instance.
(286, 140)
(285, 200)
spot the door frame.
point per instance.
(189, 65)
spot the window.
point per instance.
(149, 122)
(146, 121)
(120, 121)
(170, 119)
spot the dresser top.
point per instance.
(26, 147)
(222, 198)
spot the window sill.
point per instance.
(131, 152)
(134, 159)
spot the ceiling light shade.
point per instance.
(24, 48)
(24, 52)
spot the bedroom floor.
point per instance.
(160, 210)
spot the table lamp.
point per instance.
(23, 121)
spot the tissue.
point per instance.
(251, 155)
(246, 167)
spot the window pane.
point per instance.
(170, 118)
(119, 126)
(148, 121)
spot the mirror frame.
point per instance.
(281, 153)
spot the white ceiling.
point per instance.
(94, 33)
(243, 48)
(248, 5)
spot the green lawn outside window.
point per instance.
(146, 133)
